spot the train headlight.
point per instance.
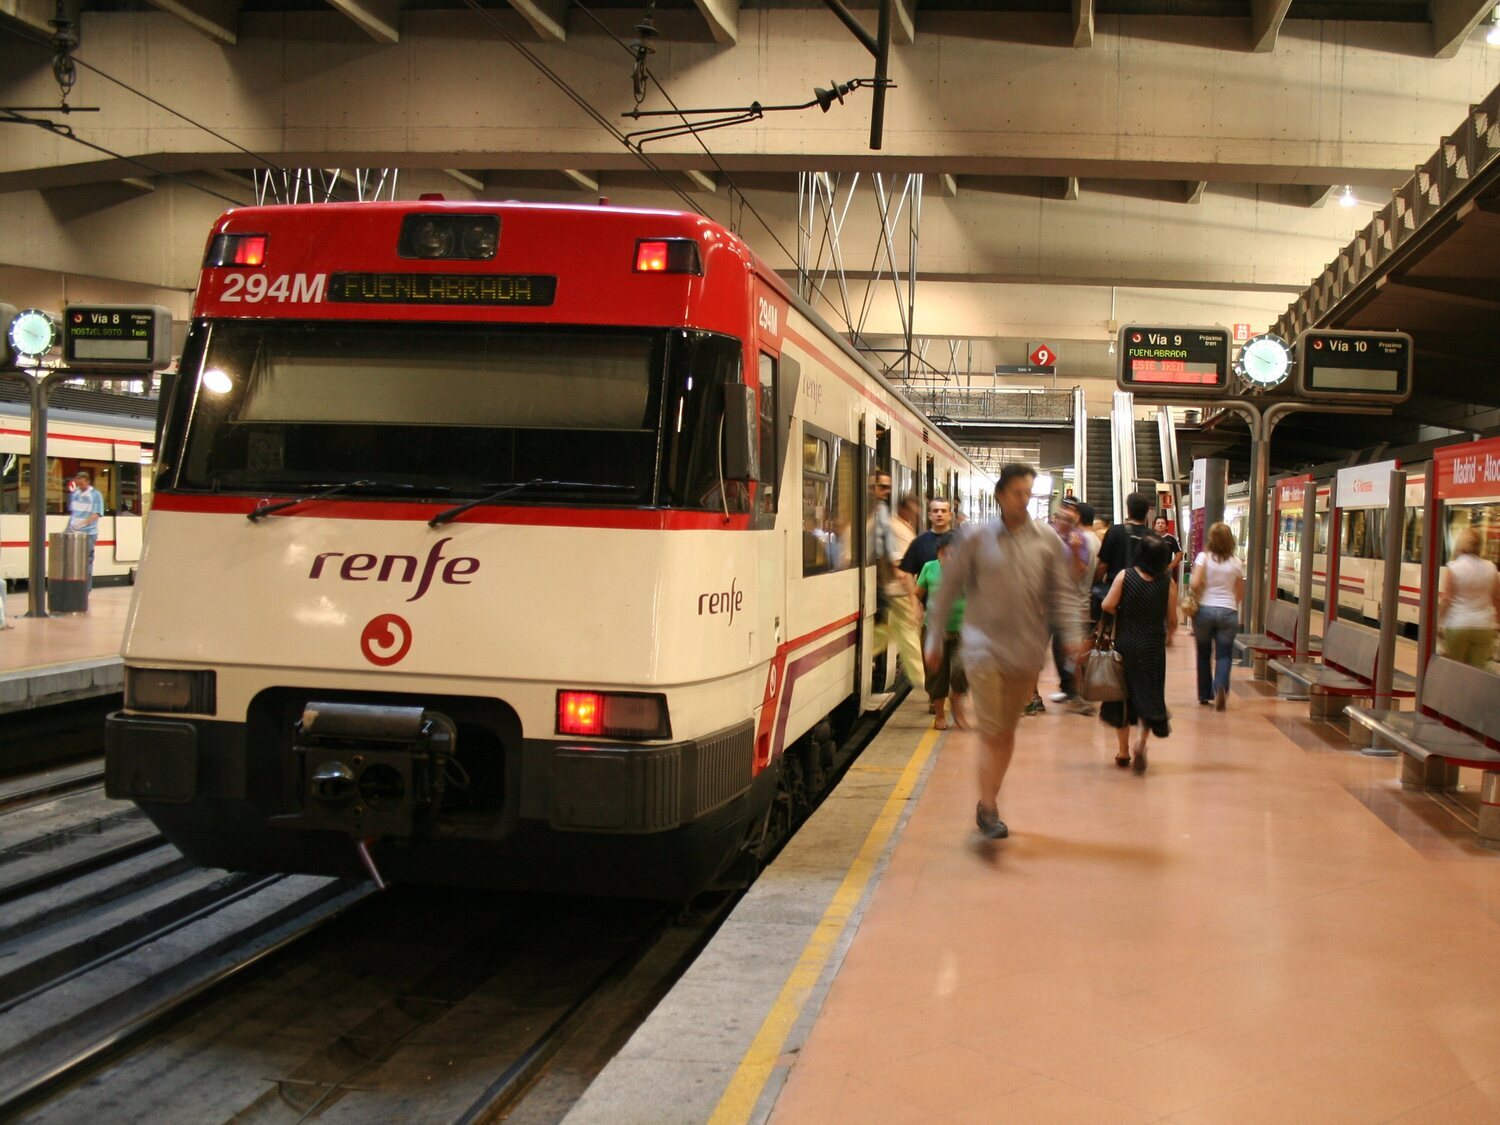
(613, 714)
(170, 689)
(453, 237)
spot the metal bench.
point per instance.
(1346, 671)
(1456, 724)
(1279, 639)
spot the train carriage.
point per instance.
(116, 450)
(503, 544)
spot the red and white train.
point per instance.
(507, 545)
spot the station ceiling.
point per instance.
(1083, 163)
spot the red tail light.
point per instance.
(667, 255)
(580, 712)
(237, 250)
(613, 714)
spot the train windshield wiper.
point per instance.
(321, 494)
(449, 515)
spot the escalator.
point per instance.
(1099, 488)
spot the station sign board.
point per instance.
(1365, 486)
(1180, 362)
(137, 337)
(1337, 365)
(1469, 470)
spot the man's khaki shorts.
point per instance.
(996, 699)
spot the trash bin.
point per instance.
(67, 572)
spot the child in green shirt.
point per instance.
(949, 676)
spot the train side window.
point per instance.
(770, 463)
(830, 470)
(10, 483)
(1411, 541)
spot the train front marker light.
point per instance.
(237, 250)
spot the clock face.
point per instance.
(33, 333)
(1264, 361)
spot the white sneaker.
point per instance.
(1059, 697)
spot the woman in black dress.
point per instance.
(1143, 601)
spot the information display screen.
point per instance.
(126, 336)
(1349, 366)
(442, 289)
(1180, 362)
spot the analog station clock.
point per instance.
(32, 333)
(1264, 362)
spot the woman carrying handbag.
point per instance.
(1143, 600)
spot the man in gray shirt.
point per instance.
(1013, 574)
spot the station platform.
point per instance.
(1262, 927)
(63, 658)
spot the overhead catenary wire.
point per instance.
(734, 189)
(583, 103)
(44, 44)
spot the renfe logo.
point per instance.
(399, 568)
(724, 601)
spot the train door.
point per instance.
(778, 378)
(864, 561)
(885, 655)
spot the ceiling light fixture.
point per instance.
(1347, 199)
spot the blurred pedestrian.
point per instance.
(903, 612)
(1468, 602)
(1013, 576)
(1083, 555)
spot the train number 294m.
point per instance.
(293, 288)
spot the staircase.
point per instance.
(1099, 488)
(1147, 457)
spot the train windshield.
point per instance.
(581, 415)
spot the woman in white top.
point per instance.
(1219, 582)
(1468, 602)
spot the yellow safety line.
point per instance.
(744, 1089)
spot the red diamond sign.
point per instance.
(1044, 356)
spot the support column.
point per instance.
(1390, 594)
(1305, 576)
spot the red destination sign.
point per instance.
(1468, 470)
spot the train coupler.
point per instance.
(371, 771)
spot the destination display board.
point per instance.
(1354, 366)
(124, 336)
(1182, 362)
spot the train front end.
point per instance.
(445, 582)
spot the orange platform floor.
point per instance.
(1261, 928)
(67, 638)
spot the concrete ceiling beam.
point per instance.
(32, 14)
(548, 18)
(1452, 23)
(379, 19)
(473, 183)
(218, 19)
(1083, 23)
(1266, 18)
(722, 18)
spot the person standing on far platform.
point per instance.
(85, 509)
(1160, 525)
(1013, 576)
(1468, 602)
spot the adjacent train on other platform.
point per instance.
(117, 450)
(509, 545)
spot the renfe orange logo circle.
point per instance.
(386, 640)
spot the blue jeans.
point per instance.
(1214, 628)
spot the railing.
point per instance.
(993, 405)
(1455, 164)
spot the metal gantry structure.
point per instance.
(823, 203)
(324, 185)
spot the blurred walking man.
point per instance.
(1014, 576)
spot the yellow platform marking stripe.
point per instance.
(744, 1089)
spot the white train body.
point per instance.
(511, 627)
